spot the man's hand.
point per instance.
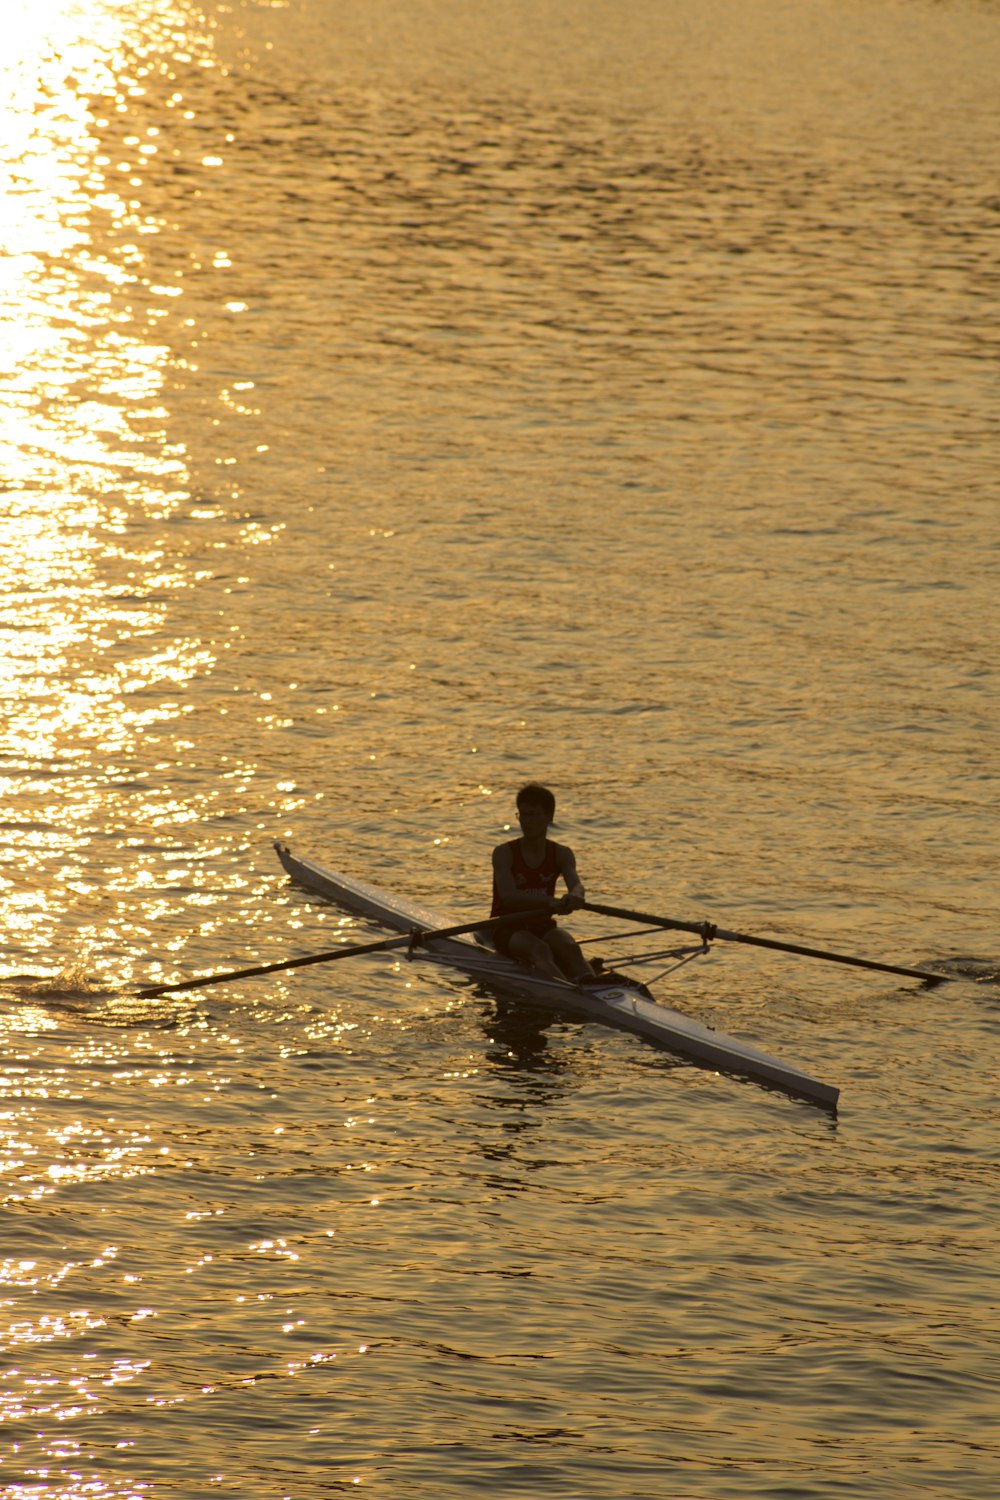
(567, 903)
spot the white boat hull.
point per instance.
(616, 1004)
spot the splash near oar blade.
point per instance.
(708, 932)
(414, 939)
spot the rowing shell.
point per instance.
(617, 1004)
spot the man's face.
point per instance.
(533, 819)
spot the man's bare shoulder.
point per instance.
(564, 854)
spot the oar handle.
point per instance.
(707, 931)
(412, 939)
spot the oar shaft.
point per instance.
(484, 924)
(288, 963)
(834, 958)
(708, 931)
(698, 928)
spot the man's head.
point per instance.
(534, 797)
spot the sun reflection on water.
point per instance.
(90, 468)
(70, 353)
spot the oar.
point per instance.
(707, 931)
(412, 939)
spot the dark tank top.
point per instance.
(529, 882)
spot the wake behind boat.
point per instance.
(619, 1003)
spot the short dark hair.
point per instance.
(540, 795)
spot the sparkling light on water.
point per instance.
(90, 472)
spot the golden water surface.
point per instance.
(400, 402)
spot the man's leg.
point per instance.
(535, 953)
(568, 955)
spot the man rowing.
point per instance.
(525, 872)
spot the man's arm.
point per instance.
(575, 894)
